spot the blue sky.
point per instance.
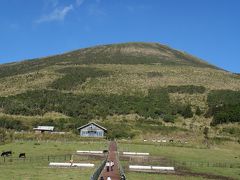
(209, 29)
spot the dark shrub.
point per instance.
(226, 114)
(8, 123)
(87, 106)
(169, 118)
(198, 111)
(75, 76)
(184, 110)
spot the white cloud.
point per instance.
(58, 14)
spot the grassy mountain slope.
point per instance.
(146, 86)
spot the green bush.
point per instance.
(87, 106)
(226, 114)
(8, 123)
(224, 106)
(184, 110)
(198, 111)
(75, 76)
(187, 113)
(218, 98)
(169, 118)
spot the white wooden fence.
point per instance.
(135, 154)
(89, 152)
(55, 164)
(156, 168)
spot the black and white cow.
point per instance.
(6, 153)
(22, 155)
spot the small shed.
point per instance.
(42, 129)
(92, 130)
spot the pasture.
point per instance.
(135, 176)
(38, 155)
(220, 160)
(193, 163)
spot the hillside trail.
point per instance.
(114, 174)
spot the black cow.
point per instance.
(6, 153)
(22, 155)
(123, 177)
(105, 151)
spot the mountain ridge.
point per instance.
(146, 86)
(117, 45)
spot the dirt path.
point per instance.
(114, 175)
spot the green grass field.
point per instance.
(41, 171)
(135, 176)
(192, 159)
(34, 148)
(37, 168)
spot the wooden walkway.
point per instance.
(114, 175)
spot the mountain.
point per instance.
(128, 53)
(130, 88)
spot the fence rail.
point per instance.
(167, 162)
(47, 158)
(121, 171)
(206, 164)
(98, 171)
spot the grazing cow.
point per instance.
(6, 153)
(105, 151)
(22, 155)
(171, 140)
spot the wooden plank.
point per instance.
(56, 164)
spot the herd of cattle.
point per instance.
(9, 153)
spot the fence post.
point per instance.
(98, 171)
(122, 174)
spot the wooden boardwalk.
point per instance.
(114, 175)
